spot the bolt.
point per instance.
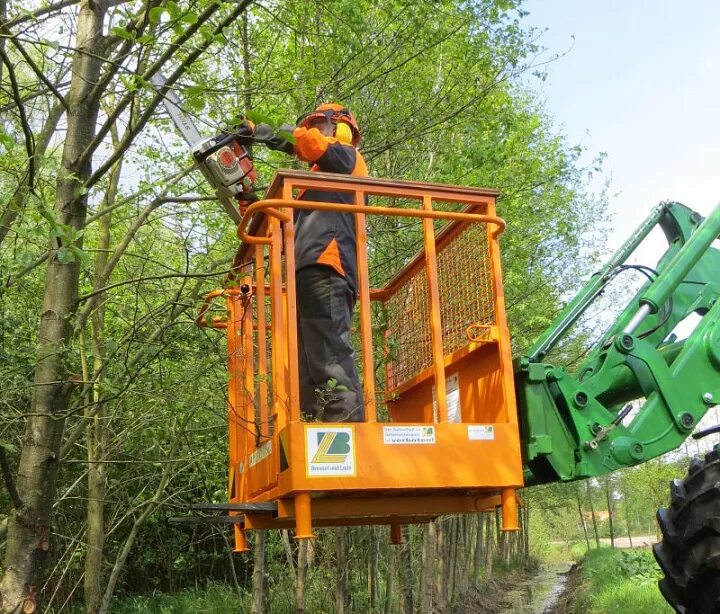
(591, 445)
(687, 420)
(708, 397)
(627, 342)
(581, 399)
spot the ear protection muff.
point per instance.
(343, 133)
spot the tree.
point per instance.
(96, 62)
(116, 385)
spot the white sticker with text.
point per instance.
(408, 434)
(477, 432)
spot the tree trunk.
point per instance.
(442, 565)
(300, 575)
(390, 573)
(489, 545)
(29, 527)
(97, 432)
(608, 496)
(454, 547)
(592, 513)
(526, 532)
(342, 605)
(478, 559)
(428, 567)
(259, 585)
(405, 574)
(627, 517)
(582, 517)
(373, 563)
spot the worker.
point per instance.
(325, 266)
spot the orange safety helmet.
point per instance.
(338, 115)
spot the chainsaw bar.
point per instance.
(182, 122)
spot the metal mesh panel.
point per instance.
(466, 298)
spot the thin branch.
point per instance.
(137, 280)
(143, 119)
(144, 78)
(138, 27)
(29, 141)
(39, 73)
(52, 8)
(9, 482)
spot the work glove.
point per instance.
(275, 139)
(245, 129)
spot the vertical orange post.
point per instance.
(508, 384)
(509, 510)
(368, 360)
(264, 425)
(291, 313)
(241, 544)
(279, 349)
(233, 378)
(248, 368)
(396, 537)
(431, 270)
(303, 516)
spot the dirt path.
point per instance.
(641, 541)
(637, 542)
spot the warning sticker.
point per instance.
(330, 451)
(481, 431)
(261, 453)
(408, 434)
(452, 398)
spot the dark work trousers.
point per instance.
(330, 389)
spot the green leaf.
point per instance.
(80, 255)
(189, 18)
(122, 33)
(260, 118)
(65, 255)
(156, 13)
(6, 140)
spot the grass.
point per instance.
(215, 599)
(620, 581)
(563, 552)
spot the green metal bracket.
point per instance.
(575, 426)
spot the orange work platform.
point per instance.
(441, 431)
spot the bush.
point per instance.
(620, 581)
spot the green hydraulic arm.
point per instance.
(640, 391)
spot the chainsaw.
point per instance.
(225, 159)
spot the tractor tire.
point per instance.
(689, 553)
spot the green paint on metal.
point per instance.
(578, 426)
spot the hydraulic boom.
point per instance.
(582, 424)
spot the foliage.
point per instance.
(616, 580)
(436, 88)
(215, 598)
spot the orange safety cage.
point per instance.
(450, 443)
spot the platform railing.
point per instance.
(263, 279)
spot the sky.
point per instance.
(640, 81)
